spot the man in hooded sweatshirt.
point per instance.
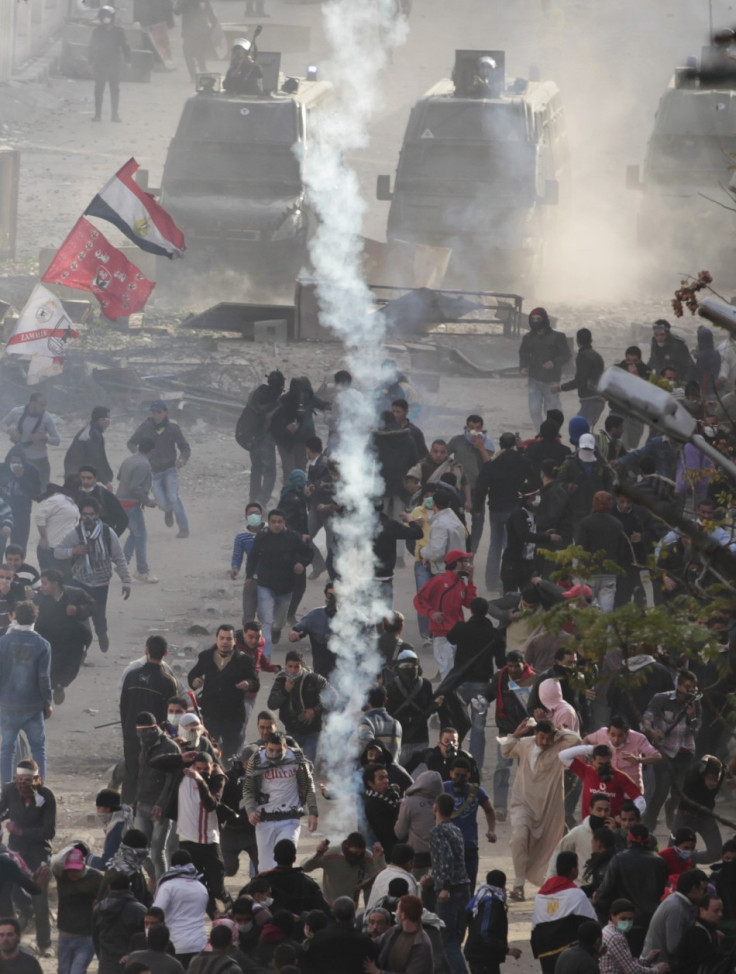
(542, 354)
(416, 818)
(117, 916)
(669, 351)
(583, 475)
(588, 369)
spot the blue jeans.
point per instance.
(263, 470)
(166, 492)
(229, 734)
(501, 779)
(477, 720)
(421, 576)
(451, 911)
(137, 539)
(272, 609)
(309, 741)
(496, 547)
(75, 954)
(541, 399)
(476, 529)
(12, 722)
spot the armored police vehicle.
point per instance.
(481, 166)
(232, 177)
(685, 220)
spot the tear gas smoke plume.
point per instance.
(361, 37)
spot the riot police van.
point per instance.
(483, 162)
(686, 218)
(232, 178)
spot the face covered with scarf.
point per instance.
(96, 556)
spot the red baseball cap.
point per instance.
(456, 554)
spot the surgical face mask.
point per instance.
(254, 520)
(623, 926)
(684, 854)
(268, 901)
(16, 468)
(245, 927)
(429, 503)
(191, 734)
(537, 501)
(174, 719)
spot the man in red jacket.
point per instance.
(442, 600)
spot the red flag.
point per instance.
(88, 262)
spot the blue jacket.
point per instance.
(25, 662)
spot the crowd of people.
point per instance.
(611, 769)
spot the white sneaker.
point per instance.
(147, 577)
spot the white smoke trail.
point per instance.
(361, 35)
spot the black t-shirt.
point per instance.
(22, 963)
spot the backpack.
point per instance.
(250, 428)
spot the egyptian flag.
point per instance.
(89, 262)
(137, 214)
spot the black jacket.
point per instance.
(582, 481)
(272, 559)
(675, 354)
(397, 773)
(108, 48)
(111, 510)
(38, 822)
(220, 696)
(337, 948)
(305, 695)
(554, 513)
(477, 635)
(589, 368)
(500, 480)
(12, 875)
(296, 406)
(602, 532)
(636, 875)
(61, 629)
(88, 448)
(546, 449)
(381, 812)
(397, 453)
(412, 707)
(538, 347)
(116, 918)
(149, 687)
(384, 544)
(152, 787)
(293, 890)
(521, 532)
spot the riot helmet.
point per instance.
(106, 15)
